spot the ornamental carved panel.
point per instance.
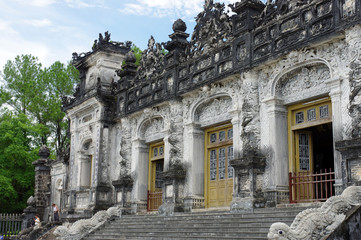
(152, 127)
(217, 107)
(303, 79)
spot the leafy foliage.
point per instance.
(138, 54)
(31, 116)
(16, 157)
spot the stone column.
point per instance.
(139, 168)
(42, 183)
(337, 128)
(236, 142)
(278, 162)
(194, 158)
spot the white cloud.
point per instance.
(39, 23)
(171, 8)
(162, 8)
(16, 45)
(85, 3)
(38, 3)
(5, 26)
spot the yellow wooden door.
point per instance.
(219, 177)
(156, 165)
(304, 165)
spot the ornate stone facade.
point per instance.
(246, 70)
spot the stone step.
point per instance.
(242, 223)
(204, 225)
(223, 216)
(155, 237)
(171, 235)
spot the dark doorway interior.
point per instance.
(322, 147)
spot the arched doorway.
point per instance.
(311, 157)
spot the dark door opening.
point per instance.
(322, 147)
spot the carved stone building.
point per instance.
(225, 119)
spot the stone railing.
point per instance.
(84, 227)
(317, 223)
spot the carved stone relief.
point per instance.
(152, 127)
(230, 87)
(217, 107)
(250, 124)
(91, 78)
(303, 80)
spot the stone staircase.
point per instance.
(200, 225)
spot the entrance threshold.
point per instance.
(212, 209)
(300, 205)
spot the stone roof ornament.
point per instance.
(212, 30)
(102, 43)
(274, 8)
(179, 26)
(179, 37)
(151, 60)
(44, 152)
(129, 68)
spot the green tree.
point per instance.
(29, 89)
(31, 116)
(16, 156)
(56, 81)
(19, 83)
(138, 53)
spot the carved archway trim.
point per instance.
(204, 100)
(278, 77)
(141, 125)
(90, 149)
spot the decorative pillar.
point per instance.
(42, 183)
(278, 163)
(194, 157)
(248, 164)
(139, 168)
(337, 129)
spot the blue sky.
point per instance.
(53, 29)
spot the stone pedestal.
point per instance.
(100, 198)
(351, 162)
(123, 190)
(29, 214)
(248, 190)
(173, 182)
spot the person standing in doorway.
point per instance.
(55, 212)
